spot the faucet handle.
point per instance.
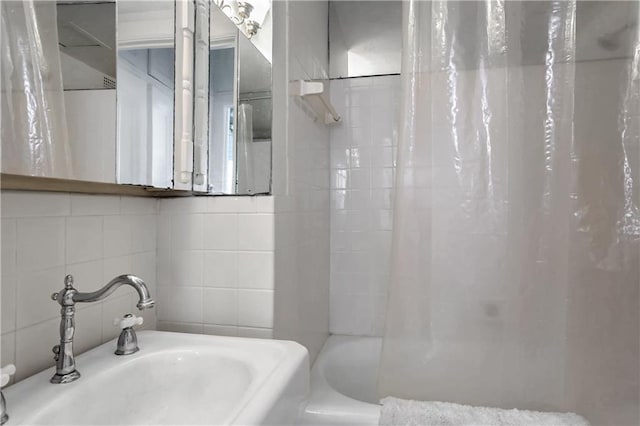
(5, 373)
(128, 321)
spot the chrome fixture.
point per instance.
(5, 376)
(252, 27)
(67, 298)
(244, 10)
(127, 341)
(239, 11)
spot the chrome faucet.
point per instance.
(67, 298)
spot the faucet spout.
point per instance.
(144, 298)
(67, 298)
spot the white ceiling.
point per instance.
(87, 32)
(366, 36)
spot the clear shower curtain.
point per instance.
(32, 120)
(515, 259)
(246, 180)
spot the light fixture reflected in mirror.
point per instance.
(247, 16)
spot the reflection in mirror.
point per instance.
(146, 50)
(87, 42)
(201, 98)
(253, 19)
(253, 138)
(365, 38)
(239, 111)
(222, 153)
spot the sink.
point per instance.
(174, 379)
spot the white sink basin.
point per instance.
(174, 379)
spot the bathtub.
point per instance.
(343, 383)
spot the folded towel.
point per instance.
(396, 412)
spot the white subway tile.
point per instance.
(340, 158)
(8, 295)
(220, 269)
(255, 308)
(143, 233)
(360, 157)
(220, 330)
(266, 203)
(84, 238)
(255, 333)
(187, 268)
(164, 267)
(255, 232)
(94, 205)
(33, 348)
(31, 204)
(34, 302)
(9, 246)
(382, 177)
(220, 306)
(117, 235)
(41, 243)
(87, 276)
(163, 233)
(339, 179)
(138, 205)
(223, 204)
(360, 138)
(187, 231)
(255, 270)
(221, 231)
(183, 205)
(180, 327)
(180, 304)
(361, 199)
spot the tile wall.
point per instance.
(215, 265)
(300, 178)
(362, 171)
(93, 237)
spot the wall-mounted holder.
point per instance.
(313, 92)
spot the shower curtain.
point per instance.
(32, 119)
(245, 167)
(515, 258)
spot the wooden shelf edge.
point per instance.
(37, 183)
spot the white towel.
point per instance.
(396, 412)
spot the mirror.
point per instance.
(87, 44)
(145, 91)
(239, 114)
(365, 38)
(120, 110)
(253, 134)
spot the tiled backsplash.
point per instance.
(215, 265)
(300, 177)
(48, 235)
(362, 171)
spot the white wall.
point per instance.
(362, 169)
(300, 178)
(48, 235)
(215, 265)
(91, 126)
